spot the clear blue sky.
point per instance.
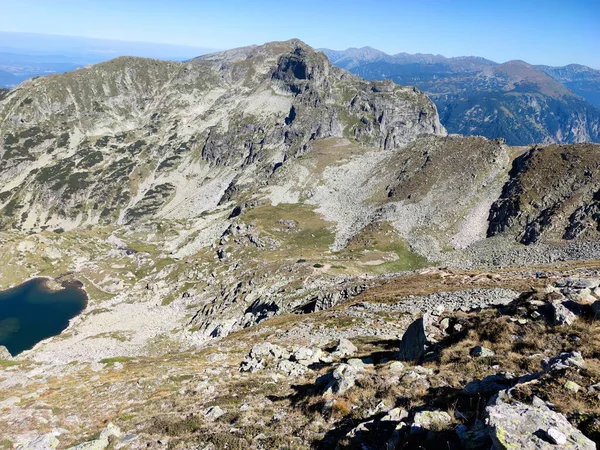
(538, 31)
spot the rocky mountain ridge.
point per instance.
(99, 123)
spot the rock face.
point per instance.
(516, 425)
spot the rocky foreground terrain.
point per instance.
(279, 254)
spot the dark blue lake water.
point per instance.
(31, 312)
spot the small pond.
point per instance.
(31, 312)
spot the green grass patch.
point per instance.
(117, 359)
(8, 363)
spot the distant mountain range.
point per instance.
(522, 103)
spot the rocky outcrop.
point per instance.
(516, 425)
(4, 353)
(532, 208)
(416, 339)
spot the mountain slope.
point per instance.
(159, 131)
(553, 193)
(514, 100)
(582, 80)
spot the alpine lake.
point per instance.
(32, 312)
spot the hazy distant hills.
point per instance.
(520, 102)
(582, 80)
(28, 55)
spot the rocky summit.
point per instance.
(280, 254)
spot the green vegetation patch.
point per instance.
(117, 359)
(297, 226)
(153, 200)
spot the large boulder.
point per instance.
(515, 425)
(416, 339)
(481, 352)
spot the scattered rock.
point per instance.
(396, 367)
(291, 368)
(103, 440)
(307, 356)
(516, 425)
(343, 378)
(266, 350)
(395, 415)
(571, 386)
(561, 315)
(260, 355)
(213, 413)
(481, 352)
(430, 421)
(46, 441)
(578, 283)
(358, 364)
(360, 428)
(563, 362)
(344, 349)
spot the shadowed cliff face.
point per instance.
(552, 194)
(118, 141)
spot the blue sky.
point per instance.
(538, 31)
